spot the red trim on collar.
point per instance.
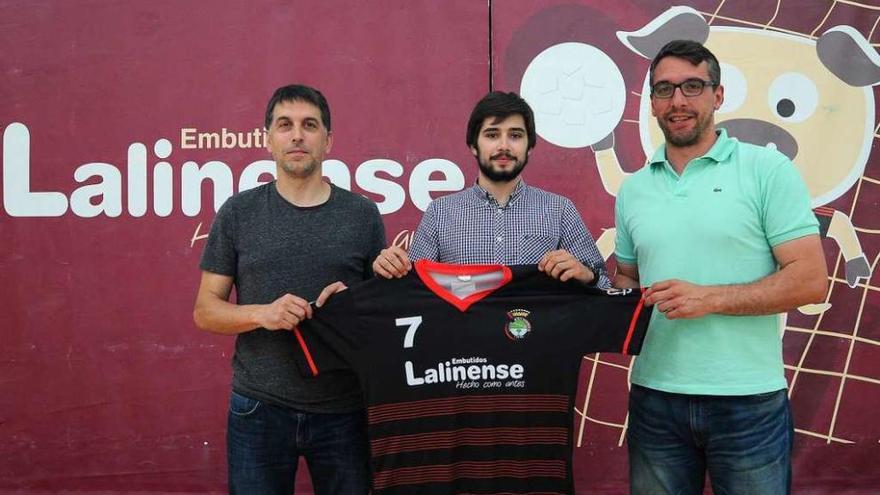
(423, 267)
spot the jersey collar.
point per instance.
(425, 268)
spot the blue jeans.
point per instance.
(264, 442)
(744, 442)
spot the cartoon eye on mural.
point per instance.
(792, 97)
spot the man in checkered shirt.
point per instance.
(501, 220)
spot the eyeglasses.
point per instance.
(690, 87)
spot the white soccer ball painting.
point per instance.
(577, 93)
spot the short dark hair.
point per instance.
(693, 52)
(500, 105)
(299, 92)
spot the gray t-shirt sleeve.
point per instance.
(376, 241)
(220, 255)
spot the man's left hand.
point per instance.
(679, 299)
(329, 291)
(562, 265)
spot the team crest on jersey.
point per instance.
(517, 327)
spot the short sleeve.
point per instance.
(220, 255)
(377, 241)
(623, 245)
(786, 209)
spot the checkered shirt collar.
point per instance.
(482, 196)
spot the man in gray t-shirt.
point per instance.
(280, 244)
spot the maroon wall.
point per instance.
(105, 383)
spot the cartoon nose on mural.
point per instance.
(761, 133)
(810, 99)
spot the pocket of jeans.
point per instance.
(766, 402)
(764, 396)
(241, 405)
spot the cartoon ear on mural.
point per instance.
(674, 24)
(677, 23)
(849, 56)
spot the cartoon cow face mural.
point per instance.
(810, 99)
(778, 92)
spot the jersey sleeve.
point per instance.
(220, 256)
(615, 320)
(787, 214)
(329, 340)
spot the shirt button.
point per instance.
(500, 211)
(498, 238)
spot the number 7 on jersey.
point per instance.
(413, 322)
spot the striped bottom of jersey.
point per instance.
(468, 437)
(443, 473)
(525, 403)
(514, 443)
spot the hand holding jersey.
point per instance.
(392, 262)
(329, 291)
(289, 310)
(563, 266)
(283, 313)
(679, 299)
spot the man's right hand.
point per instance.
(392, 262)
(284, 313)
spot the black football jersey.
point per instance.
(469, 372)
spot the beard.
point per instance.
(502, 175)
(299, 170)
(685, 138)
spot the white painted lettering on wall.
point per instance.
(101, 192)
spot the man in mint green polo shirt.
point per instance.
(722, 234)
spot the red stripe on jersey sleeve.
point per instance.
(305, 349)
(632, 324)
